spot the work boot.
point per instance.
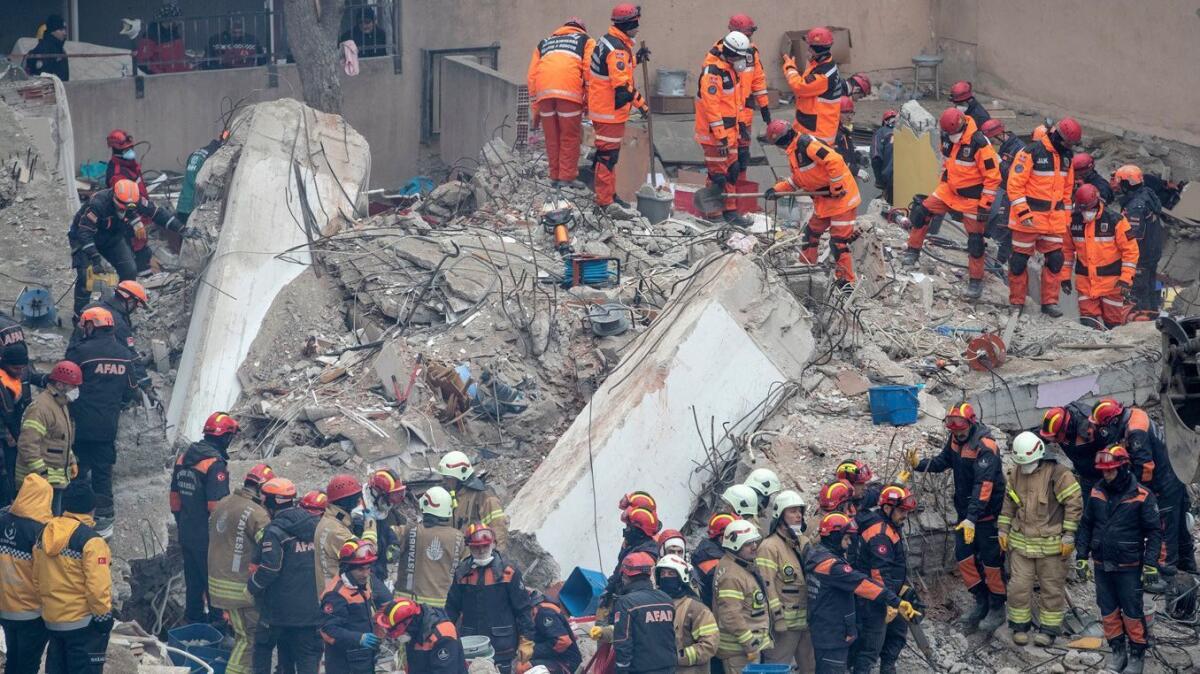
(974, 289)
(1137, 661)
(621, 202)
(1021, 637)
(996, 616)
(970, 621)
(887, 668)
(910, 256)
(1043, 639)
(1052, 310)
(737, 219)
(1119, 657)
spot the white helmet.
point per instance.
(676, 564)
(764, 481)
(742, 499)
(738, 534)
(674, 542)
(456, 465)
(738, 43)
(437, 502)
(1027, 448)
(784, 500)
(540, 669)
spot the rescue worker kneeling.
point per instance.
(349, 605)
(554, 644)
(431, 644)
(719, 100)
(1037, 525)
(695, 625)
(741, 599)
(1105, 259)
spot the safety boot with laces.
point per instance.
(974, 289)
(910, 256)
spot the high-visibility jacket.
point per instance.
(818, 90)
(718, 101)
(428, 555)
(753, 86)
(970, 170)
(71, 567)
(559, 65)
(235, 529)
(20, 528)
(1102, 249)
(1040, 186)
(611, 89)
(474, 503)
(978, 478)
(333, 530)
(779, 565)
(740, 604)
(1039, 508)
(47, 435)
(816, 166)
(696, 635)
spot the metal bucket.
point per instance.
(671, 82)
(654, 206)
(477, 648)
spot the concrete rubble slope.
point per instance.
(730, 336)
(264, 216)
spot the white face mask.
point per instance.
(1089, 215)
(797, 528)
(962, 107)
(955, 137)
(72, 394)
(1028, 468)
(483, 556)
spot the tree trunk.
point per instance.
(312, 31)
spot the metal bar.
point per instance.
(397, 37)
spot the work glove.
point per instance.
(912, 457)
(890, 615)
(102, 623)
(967, 527)
(525, 650)
(766, 114)
(1068, 545)
(598, 633)
(368, 640)
(770, 194)
(1125, 289)
(1004, 541)
(904, 476)
(837, 189)
(907, 610)
(1082, 570)
(789, 63)
(1066, 286)
(97, 265)
(643, 54)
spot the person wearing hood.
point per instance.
(199, 481)
(488, 598)
(47, 432)
(696, 633)
(72, 572)
(779, 563)
(284, 586)
(349, 606)
(473, 501)
(20, 605)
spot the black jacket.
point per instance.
(644, 629)
(42, 58)
(976, 112)
(704, 560)
(435, 648)
(199, 480)
(1008, 151)
(491, 602)
(284, 585)
(978, 477)
(97, 223)
(123, 331)
(1096, 180)
(1147, 450)
(108, 381)
(554, 643)
(1081, 445)
(881, 155)
(634, 541)
(832, 587)
(1120, 528)
(349, 613)
(1144, 212)
(881, 554)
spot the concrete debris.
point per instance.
(917, 118)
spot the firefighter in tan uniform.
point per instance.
(234, 531)
(740, 599)
(779, 564)
(47, 432)
(695, 625)
(429, 551)
(474, 502)
(333, 530)
(1037, 525)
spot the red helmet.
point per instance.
(742, 23)
(314, 502)
(258, 475)
(220, 423)
(854, 471)
(952, 121)
(835, 494)
(1054, 422)
(1070, 130)
(637, 499)
(97, 318)
(132, 290)
(961, 91)
(847, 104)
(718, 522)
(1128, 173)
(480, 536)
(386, 484)
(776, 128)
(66, 372)
(837, 523)
(625, 12)
(357, 552)
(863, 82)
(637, 564)
(666, 535)
(992, 128)
(1087, 196)
(819, 37)
(1112, 458)
(889, 115)
(342, 486)
(898, 497)
(1082, 162)
(126, 193)
(643, 519)
(960, 417)
(120, 139)
(1107, 411)
(395, 616)
(577, 22)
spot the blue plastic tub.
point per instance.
(895, 405)
(766, 669)
(209, 650)
(581, 593)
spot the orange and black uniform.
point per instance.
(611, 95)
(20, 606)
(967, 188)
(434, 647)
(199, 480)
(705, 559)
(978, 496)
(833, 585)
(881, 556)
(491, 601)
(284, 586)
(558, 72)
(719, 100)
(1103, 254)
(120, 168)
(818, 90)
(753, 85)
(554, 644)
(1040, 190)
(816, 166)
(1120, 532)
(644, 629)
(348, 612)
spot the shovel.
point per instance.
(710, 199)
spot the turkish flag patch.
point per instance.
(222, 476)
(102, 561)
(882, 549)
(328, 608)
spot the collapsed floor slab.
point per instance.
(294, 162)
(730, 334)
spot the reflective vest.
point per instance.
(559, 66)
(717, 102)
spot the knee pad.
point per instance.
(1054, 261)
(839, 247)
(1017, 263)
(608, 158)
(976, 245)
(811, 238)
(918, 214)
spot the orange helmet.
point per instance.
(718, 522)
(120, 139)
(1128, 173)
(742, 23)
(961, 91)
(132, 290)
(66, 372)
(854, 471)
(357, 552)
(1112, 458)
(834, 495)
(837, 523)
(126, 194)
(96, 317)
(314, 502)
(395, 616)
(644, 520)
(279, 492)
(220, 423)
(637, 499)
(258, 475)
(847, 104)
(1054, 424)
(819, 37)
(898, 497)
(637, 564)
(1087, 196)
(386, 485)
(1106, 411)
(960, 417)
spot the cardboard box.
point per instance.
(793, 43)
(672, 105)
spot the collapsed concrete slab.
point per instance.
(728, 338)
(297, 170)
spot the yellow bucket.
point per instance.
(109, 279)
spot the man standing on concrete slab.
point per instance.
(752, 81)
(818, 89)
(611, 96)
(780, 566)
(1099, 249)
(473, 501)
(880, 554)
(558, 74)
(740, 600)
(719, 101)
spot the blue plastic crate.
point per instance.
(895, 405)
(209, 651)
(581, 593)
(766, 669)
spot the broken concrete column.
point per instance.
(288, 149)
(728, 337)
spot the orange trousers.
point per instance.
(1101, 302)
(976, 245)
(1024, 245)
(720, 160)
(841, 233)
(562, 122)
(608, 150)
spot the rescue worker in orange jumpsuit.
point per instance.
(818, 89)
(123, 165)
(611, 96)
(557, 83)
(968, 186)
(1040, 187)
(816, 166)
(719, 101)
(1105, 259)
(753, 83)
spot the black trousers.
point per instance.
(26, 640)
(981, 564)
(195, 582)
(1119, 596)
(878, 640)
(997, 228)
(1145, 295)
(8, 472)
(299, 648)
(80, 651)
(831, 660)
(1179, 548)
(96, 461)
(118, 254)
